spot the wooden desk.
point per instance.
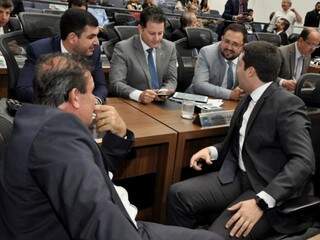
(191, 137)
(314, 69)
(155, 147)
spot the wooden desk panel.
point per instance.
(191, 137)
(155, 147)
(314, 69)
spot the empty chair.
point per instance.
(124, 19)
(308, 89)
(110, 31)
(174, 23)
(200, 37)
(125, 32)
(39, 25)
(108, 47)
(269, 37)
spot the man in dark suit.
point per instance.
(280, 29)
(296, 57)
(146, 63)
(78, 35)
(312, 18)
(236, 10)
(57, 182)
(266, 158)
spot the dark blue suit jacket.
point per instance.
(24, 88)
(232, 9)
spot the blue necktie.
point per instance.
(152, 70)
(229, 75)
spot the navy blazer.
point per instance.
(56, 184)
(24, 87)
(232, 9)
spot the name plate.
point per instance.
(210, 119)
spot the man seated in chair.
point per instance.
(214, 74)
(7, 25)
(58, 181)
(266, 159)
(296, 57)
(78, 35)
(145, 64)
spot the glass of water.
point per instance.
(187, 109)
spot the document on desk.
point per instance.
(215, 102)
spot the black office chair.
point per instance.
(12, 47)
(293, 37)
(124, 19)
(110, 31)
(6, 124)
(269, 37)
(39, 25)
(187, 51)
(125, 32)
(174, 23)
(55, 12)
(252, 37)
(108, 47)
(308, 89)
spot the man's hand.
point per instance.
(246, 215)
(196, 159)
(236, 94)
(147, 96)
(108, 119)
(290, 85)
(163, 94)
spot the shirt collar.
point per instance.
(63, 49)
(257, 93)
(234, 61)
(298, 54)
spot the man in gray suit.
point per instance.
(214, 73)
(296, 57)
(145, 65)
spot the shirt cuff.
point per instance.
(267, 198)
(281, 82)
(135, 95)
(213, 152)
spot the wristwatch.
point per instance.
(261, 203)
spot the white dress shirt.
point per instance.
(255, 96)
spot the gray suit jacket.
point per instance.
(209, 73)
(129, 67)
(288, 55)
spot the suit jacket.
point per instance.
(231, 9)
(56, 184)
(130, 69)
(284, 38)
(24, 88)
(12, 25)
(209, 73)
(312, 19)
(277, 151)
(289, 62)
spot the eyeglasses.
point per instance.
(232, 44)
(312, 45)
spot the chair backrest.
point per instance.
(108, 47)
(110, 31)
(308, 89)
(125, 32)
(6, 123)
(269, 37)
(39, 25)
(186, 62)
(124, 19)
(174, 23)
(293, 37)
(252, 37)
(11, 46)
(33, 10)
(55, 12)
(200, 37)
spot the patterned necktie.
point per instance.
(230, 80)
(152, 70)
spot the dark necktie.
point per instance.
(230, 163)
(229, 75)
(152, 70)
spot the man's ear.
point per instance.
(251, 71)
(73, 98)
(72, 38)
(140, 28)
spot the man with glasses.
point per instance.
(296, 57)
(214, 73)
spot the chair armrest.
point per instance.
(299, 204)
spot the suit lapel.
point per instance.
(159, 61)
(292, 59)
(141, 57)
(259, 105)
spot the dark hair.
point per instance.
(203, 4)
(152, 14)
(264, 57)
(286, 24)
(186, 19)
(56, 75)
(77, 3)
(75, 20)
(235, 27)
(306, 32)
(6, 4)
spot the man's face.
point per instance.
(87, 101)
(285, 4)
(279, 25)
(152, 34)
(87, 41)
(4, 16)
(231, 44)
(318, 7)
(308, 46)
(242, 75)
